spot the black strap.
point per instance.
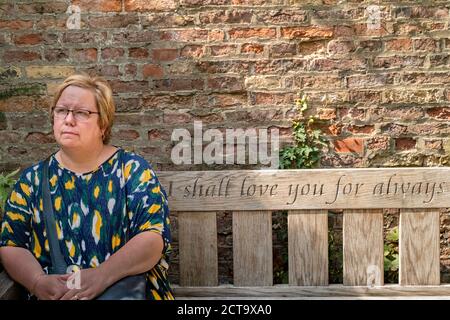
(59, 265)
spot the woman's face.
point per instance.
(75, 131)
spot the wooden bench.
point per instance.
(307, 195)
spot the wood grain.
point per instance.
(363, 247)
(308, 247)
(419, 247)
(372, 188)
(252, 248)
(198, 249)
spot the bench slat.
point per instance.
(363, 247)
(308, 247)
(419, 247)
(252, 248)
(333, 290)
(198, 249)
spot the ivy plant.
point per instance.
(308, 142)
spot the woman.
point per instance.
(102, 195)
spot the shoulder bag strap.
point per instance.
(59, 265)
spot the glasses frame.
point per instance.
(74, 114)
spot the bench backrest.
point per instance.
(252, 195)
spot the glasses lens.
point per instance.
(81, 115)
(60, 112)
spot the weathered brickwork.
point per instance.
(382, 94)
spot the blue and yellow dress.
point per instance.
(95, 213)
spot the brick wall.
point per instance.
(382, 94)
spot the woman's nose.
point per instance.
(69, 118)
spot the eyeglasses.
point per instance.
(79, 114)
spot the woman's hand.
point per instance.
(92, 282)
(51, 287)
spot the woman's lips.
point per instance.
(71, 133)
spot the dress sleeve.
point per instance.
(16, 223)
(147, 203)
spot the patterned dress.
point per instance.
(95, 214)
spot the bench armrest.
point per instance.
(9, 290)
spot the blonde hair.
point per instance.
(103, 97)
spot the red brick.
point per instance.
(127, 105)
(439, 113)
(428, 45)
(177, 117)
(55, 55)
(127, 135)
(338, 64)
(378, 143)
(326, 113)
(84, 37)
(10, 137)
(252, 48)
(116, 21)
(104, 70)
(399, 45)
(42, 7)
(167, 20)
(178, 84)
(367, 129)
(152, 70)
(339, 47)
(216, 35)
(312, 47)
(282, 50)
(16, 104)
(40, 138)
(282, 16)
(112, 53)
(349, 145)
(320, 82)
(369, 81)
(129, 86)
(158, 134)
(235, 66)
(272, 98)
(131, 70)
(398, 61)
(16, 24)
(226, 84)
(19, 56)
(85, 55)
(99, 5)
(186, 35)
(220, 100)
(128, 36)
(229, 17)
(306, 32)
(394, 129)
(244, 33)
(433, 144)
(150, 5)
(189, 3)
(223, 50)
(52, 23)
(404, 144)
(164, 54)
(137, 53)
(28, 39)
(193, 51)
(167, 101)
